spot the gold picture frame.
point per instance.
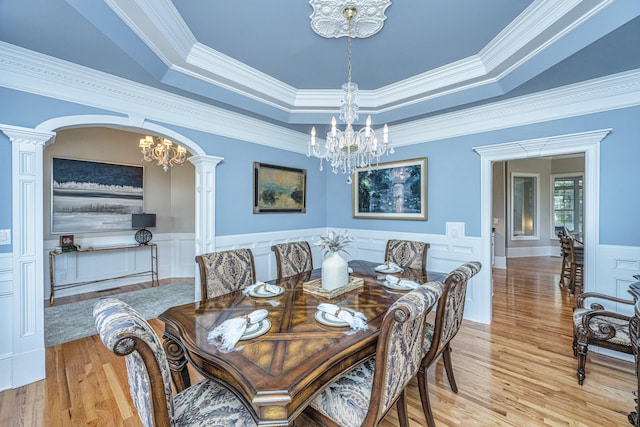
(279, 189)
(391, 190)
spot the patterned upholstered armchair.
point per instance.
(595, 325)
(407, 254)
(363, 396)
(225, 271)
(446, 325)
(205, 403)
(292, 258)
(634, 332)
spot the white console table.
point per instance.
(153, 270)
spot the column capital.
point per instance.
(27, 135)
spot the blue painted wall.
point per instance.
(454, 178)
(453, 175)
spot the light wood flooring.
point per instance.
(518, 371)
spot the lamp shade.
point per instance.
(143, 220)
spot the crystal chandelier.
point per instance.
(163, 152)
(350, 149)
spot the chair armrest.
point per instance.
(583, 296)
(605, 331)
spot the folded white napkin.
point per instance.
(356, 320)
(406, 283)
(268, 288)
(227, 334)
(387, 265)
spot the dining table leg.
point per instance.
(177, 363)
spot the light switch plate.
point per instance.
(5, 237)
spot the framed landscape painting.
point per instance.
(392, 190)
(91, 196)
(279, 189)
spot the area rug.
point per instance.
(72, 321)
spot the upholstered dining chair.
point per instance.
(593, 324)
(363, 396)
(225, 271)
(407, 254)
(576, 265)
(205, 403)
(634, 333)
(292, 258)
(445, 326)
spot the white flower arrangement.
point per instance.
(334, 242)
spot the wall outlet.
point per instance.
(5, 237)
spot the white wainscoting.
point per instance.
(6, 319)
(176, 255)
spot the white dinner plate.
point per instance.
(397, 286)
(331, 320)
(387, 269)
(256, 329)
(260, 292)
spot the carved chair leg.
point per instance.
(574, 346)
(401, 405)
(424, 397)
(446, 357)
(582, 361)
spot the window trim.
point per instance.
(536, 220)
(552, 179)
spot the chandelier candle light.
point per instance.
(163, 152)
(348, 149)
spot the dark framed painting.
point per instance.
(279, 189)
(88, 196)
(392, 190)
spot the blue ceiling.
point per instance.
(262, 58)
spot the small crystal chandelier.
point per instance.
(164, 152)
(348, 149)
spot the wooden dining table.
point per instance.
(278, 373)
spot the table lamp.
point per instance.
(142, 221)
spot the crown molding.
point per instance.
(32, 72)
(39, 74)
(533, 31)
(608, 93)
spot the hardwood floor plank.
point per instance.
(518, 371)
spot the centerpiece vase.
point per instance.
(335, 272)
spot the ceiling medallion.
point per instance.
(328, 21)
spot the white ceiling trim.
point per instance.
(529, 34)
(608, 93)
(32, 72)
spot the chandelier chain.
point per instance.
(349, 149)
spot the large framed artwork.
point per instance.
(279, 189)
(89, 196)
(392, 190)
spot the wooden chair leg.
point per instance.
(582, 361)
(423, 388)
(446, 357)
(403, 416)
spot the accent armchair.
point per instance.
(205, 403)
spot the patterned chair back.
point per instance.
(292, 258)
(225, 271)
(399, 349)
(407, 254)
(451, 307)
(127, 334)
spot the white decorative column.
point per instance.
(27, 350)
(205, 208)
